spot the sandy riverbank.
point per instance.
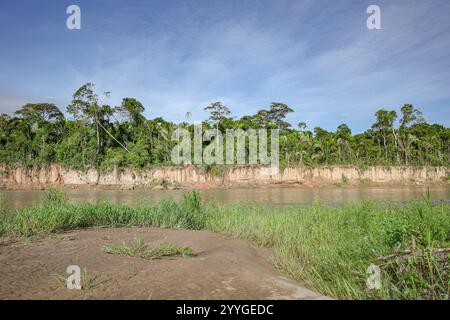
(221, 269)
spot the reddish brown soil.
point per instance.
(222, 268)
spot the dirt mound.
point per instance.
(221, 269)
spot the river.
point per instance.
(273, 195)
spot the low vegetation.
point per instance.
(2, 202)
(328, 247)
(55, 196)
(87, 282)
(139, 249)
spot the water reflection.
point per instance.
(275, 195)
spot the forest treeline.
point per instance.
(101, 135)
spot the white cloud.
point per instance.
(317, 56)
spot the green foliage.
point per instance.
(39, 134)
(131, 110)
(165, 183)
(56, 196)
(40, 113)
(2, 203)
(219, 114)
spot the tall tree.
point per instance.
(85, 106)
(40, 113)
(274, 116)
(218, 113)
(410, 116)
(343, 136)
(383, 125)
(302, 126)
(132, 110)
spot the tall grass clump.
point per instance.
(56, 215)
(2, 213)
(2, 203)
(56, 196)
(140, 249)
(327, 247)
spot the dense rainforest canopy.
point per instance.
(105, 136)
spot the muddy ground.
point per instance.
(221, 269)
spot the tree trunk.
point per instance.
(98, 123)
(98, 138)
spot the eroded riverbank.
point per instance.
(17, 177)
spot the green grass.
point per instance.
(328, 247)
(139, 249)
(56, 196)
(87, 282)
(2, 202)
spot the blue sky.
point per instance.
(176, 56)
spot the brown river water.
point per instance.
(273, 196)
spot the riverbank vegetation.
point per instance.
(139, 249)
(328, 247)
(96, 134)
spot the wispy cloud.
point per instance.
(317, 56)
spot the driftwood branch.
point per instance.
(410, 254)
